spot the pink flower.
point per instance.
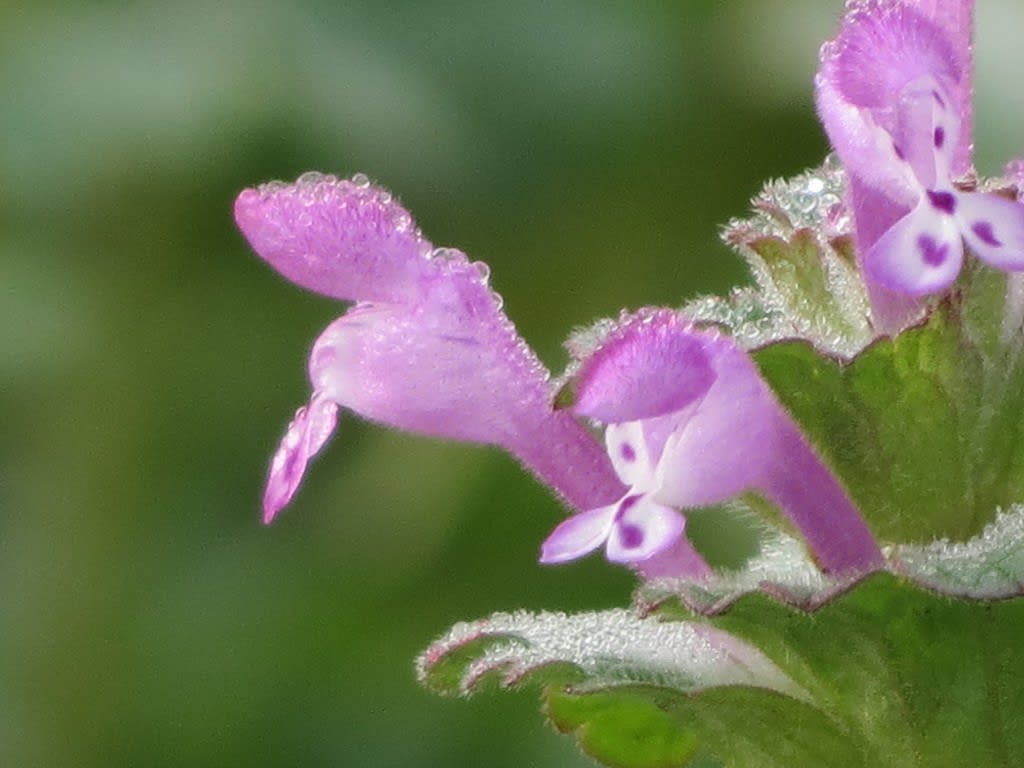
(426, 348)
(894, 95)
(692, 424)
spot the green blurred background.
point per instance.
(588, 151)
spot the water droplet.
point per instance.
(361, 180)
(815, 186)
(448, 254)
(310, 178)
(271, 188)
(401, 220)
(482, 269)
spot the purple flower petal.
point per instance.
(628, 449)
(345, 239)
(581, 534)
(428, 348)
(893, 92)
(994, 229)
(733, 436)
(306, 435)
(883, 46)
(920, 254)
(894, 62)
(811, 496)
(891, 311)
(429, 368)
(649, 366)
(739, 438)
(642, 529)
(452, 367)
(728, 442)
(867, 151)
(680, 560)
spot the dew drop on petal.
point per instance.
(448, 254)
(401, 220)
(482, 270)
(310, 178)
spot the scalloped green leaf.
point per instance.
(592, 650)
(639, 670)
(924, 429)
(884, 675)
(912, 678)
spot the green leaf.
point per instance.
(885, 675)
(989, 566)
(912, 678)
(592, 650)
(925, 429)
(614, 679)
(625, 727)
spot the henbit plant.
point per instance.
(859, 412)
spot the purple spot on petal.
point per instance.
(899, 152)
(628, 453)
(627, 504)
(932, 253)
(631, 536)
(983, 229)
(938, 99)
(940, 137)
(942, 201)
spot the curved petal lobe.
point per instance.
(345, 239)
(642, 529)
(920, 254)
(579, 535)
(653, 364)
(994, 229)
(306, 435)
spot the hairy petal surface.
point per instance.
(426, 349)
(889, 59)
(343, 238)
(632, 377)
(733, 437)
(893, 93)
